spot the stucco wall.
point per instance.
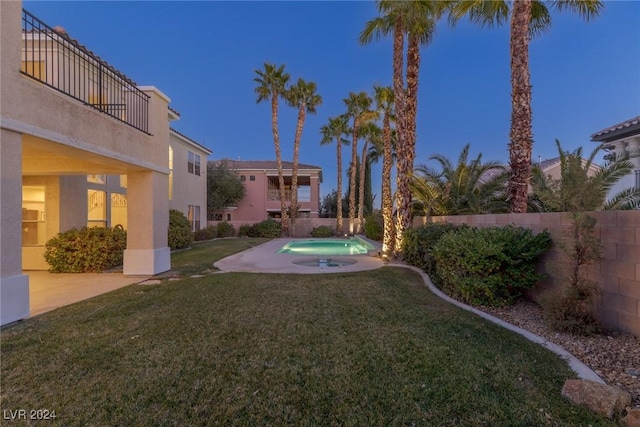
(188, 188)
(618, 272)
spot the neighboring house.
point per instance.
(623, 139)
(262, 197)
(549, 167)
(188, 178)
(73, 126)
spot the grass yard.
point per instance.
(373, 348)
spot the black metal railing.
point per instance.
(50, 56)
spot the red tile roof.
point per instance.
(601, 135)
(263, 164)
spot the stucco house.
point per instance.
(262, 197)
(73, 126)
(623, 139)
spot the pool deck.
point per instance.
(265, 259)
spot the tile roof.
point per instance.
(190, 140)
(599, 136)
(263, 164)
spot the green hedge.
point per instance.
(489, 266)
(418, 243)
(243, 231)
(322, 231)
(373, 227)
(206, 233)
(226, 230)
(86, 250)
(268, 228)
(180, 234)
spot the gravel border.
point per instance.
(612, 358)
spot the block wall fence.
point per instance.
(618, 272)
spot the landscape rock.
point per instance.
(632, 419)
(603, 399)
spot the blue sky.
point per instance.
(203, 55)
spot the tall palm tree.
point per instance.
(371, 133)
(528, 18)
(468, 187)
(384, 98)
(272, 83)
(359, 109)
(417, 20)
(336, 129)
(583, 185)
(302, 95)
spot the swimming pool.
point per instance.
(352, 246)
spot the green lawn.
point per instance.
(361, 349)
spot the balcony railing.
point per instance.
(54, 59)
(274, 194)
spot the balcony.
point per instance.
(52, 58)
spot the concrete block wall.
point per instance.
(617, 273)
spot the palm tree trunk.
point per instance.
(363, 166)
(405, 167)
(352, 177)
(399, 94)
(387, 203)
(276, 142)
(339, 227)
(521, 134)
(302, 113)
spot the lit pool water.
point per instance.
(353, 246)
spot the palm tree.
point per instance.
(468, 187)
(384, 98)
(583, 186)
(417, 19)
(359, 108)
(528, 18)
(302, 95)
(371, 133)
(272, 82)
(335, 129)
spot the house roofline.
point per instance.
(190, 141)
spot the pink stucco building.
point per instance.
(262, 198)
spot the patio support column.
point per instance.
(14, 286)
(147, 251)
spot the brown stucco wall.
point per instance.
(618, 272)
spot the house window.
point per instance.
(170, 173)
(193, 163)
(98, 179)
(217, 217)
(96, 208)
(243, 178)
(123, 181)
(193, 215)
(118, 215)
(304, 193)
(228, 217)
(252, 177)
(33, 216)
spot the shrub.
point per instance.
(321, 231)
(206, 233)
(244, 230)
(418, 243)
(267, 228)
(489, 266)
(373, 227)
(571, 309)
(180, 234)
(226, 230)
(86, 250)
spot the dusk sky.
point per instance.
(203, 55)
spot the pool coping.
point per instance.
(255, 260)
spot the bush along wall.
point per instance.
(418, 243)
(489, 266)
(268, 228)
(180, 234)
(86, 250)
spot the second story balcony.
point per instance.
(51, 57)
